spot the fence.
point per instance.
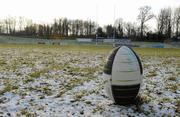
(18, 40)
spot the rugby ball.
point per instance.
(125, 71)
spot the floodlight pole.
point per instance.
(96, 24)
(96, 38)
(114, 27)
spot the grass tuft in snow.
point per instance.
(8, 87)
(173, 78)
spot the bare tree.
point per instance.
(59, 29)
(144, 15)
(13, 23)
(81, 27)
(165, 22)
(177, 20)
(56, 25)
(21, 23)
(161, 22)
(6, 26)
(109, 31)
(86, 28)
(119, 25)
(1, 26)
(130, 30)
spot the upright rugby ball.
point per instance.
(125, 71)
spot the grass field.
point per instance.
(41, 80)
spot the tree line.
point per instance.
(60, 28)
(168, 27)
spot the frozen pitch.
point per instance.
(59, 81)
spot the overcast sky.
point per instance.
(101, 11)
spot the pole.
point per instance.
(96, 24)
(114, 26)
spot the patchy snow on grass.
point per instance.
(39, 81)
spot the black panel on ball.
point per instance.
(125, 94)
(109, 63)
